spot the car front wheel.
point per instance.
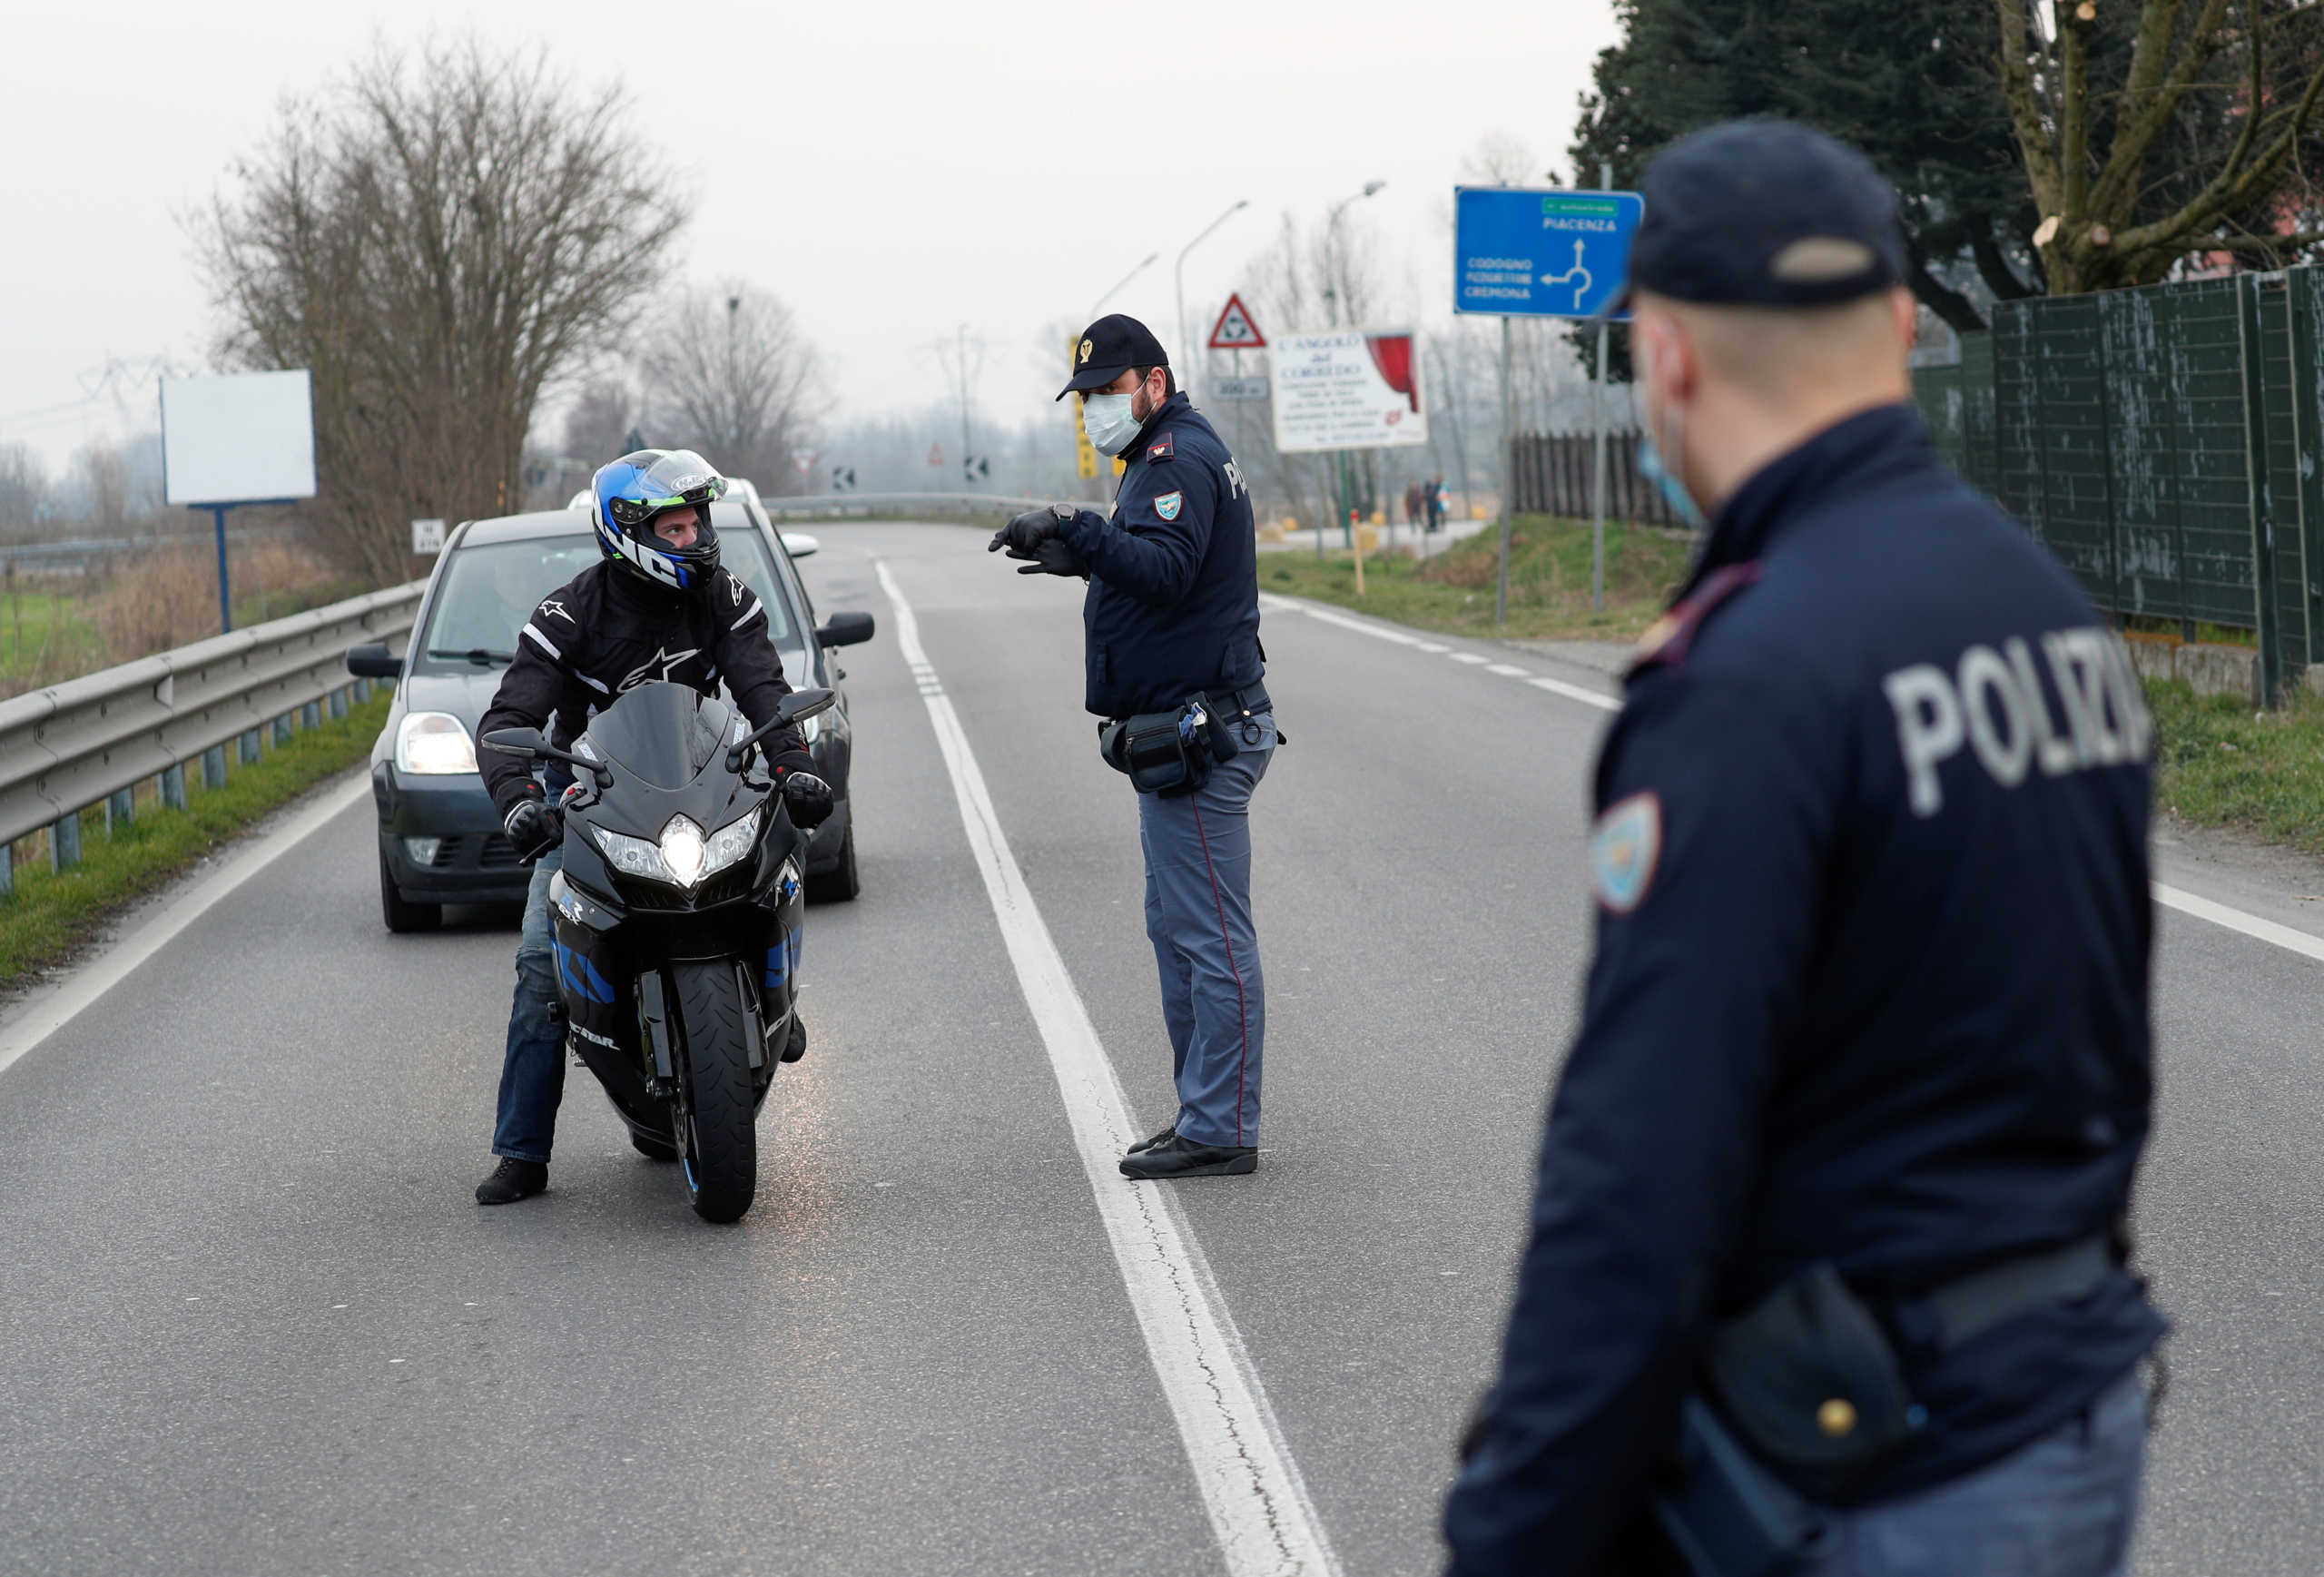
(401, 915)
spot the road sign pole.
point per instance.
(1598, 467)
(1508, 479)
(225, 595)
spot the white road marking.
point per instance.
(1576, 693)
(1510, 671)
(1251, 1488)
(1471, 658)
(2251, 925)
(49, 1014)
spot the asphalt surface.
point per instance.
(254, 1323)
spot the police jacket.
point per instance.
(1173, 606)
(604, 632)
(1870, 988)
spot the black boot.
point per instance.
(795, 1046)
(512, 1180)
(1180, 1157)
(1142, 1146)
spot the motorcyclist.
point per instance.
(657, 607)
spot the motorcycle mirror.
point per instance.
(516, 741)
(799, 704)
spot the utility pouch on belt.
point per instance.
(1804, 1381)
(1168, 752)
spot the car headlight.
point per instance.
(433, 743)
(682, 856)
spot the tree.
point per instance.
(728, 372)
(1911, 83)
(598, 423)
(24, 486)
(436, 239)
(2172, 127)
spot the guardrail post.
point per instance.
(283, 730)
(64, 841)
(214, 767)
(248, 744)
(173, 784)
(120, 806)
(339, 701)
(7, 870)
(310, 716)
(362, 688)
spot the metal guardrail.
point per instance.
(76, 743)
(87, 549)
(821, 504)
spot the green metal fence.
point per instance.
(2162, 443)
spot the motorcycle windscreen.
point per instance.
(661, 734)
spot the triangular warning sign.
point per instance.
(1234, 331)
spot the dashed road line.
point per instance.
(1251, 1487)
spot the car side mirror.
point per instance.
(800, 544)
(846, 629)
(516, 741)
(373, 660)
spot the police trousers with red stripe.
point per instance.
(1199, 913)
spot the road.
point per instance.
(254, 1324)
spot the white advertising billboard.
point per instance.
(1350, 388)
(238, 437)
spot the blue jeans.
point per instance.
(532, 1071)
(1198, 916)
(2063, 1506)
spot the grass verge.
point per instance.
(1549, 582)
(2219, 764)
(54, 913)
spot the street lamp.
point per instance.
(1124, 279)
(1331, 264)
(1187, 346)
(1332, 303)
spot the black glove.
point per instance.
(1054, 556)
(533, 829)
(1027, 531)
(807, 797)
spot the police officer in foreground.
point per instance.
(1172, 622)
(1827, 1267)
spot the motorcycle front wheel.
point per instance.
(716, 1130)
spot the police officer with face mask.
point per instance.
(1172, 628)
(1827, 1274)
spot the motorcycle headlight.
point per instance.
(433, 743)
(635, 857)
(682, 856)
(729, 843)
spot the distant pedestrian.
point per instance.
(1827, 1273)
(1436, 504)
(1413, 503)
(1175, 671)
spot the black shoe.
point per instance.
(1142, 1146)
(795, 1046)
(512, 1180)
(1179, 1157)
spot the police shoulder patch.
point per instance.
(1159, 450)
(1168, 504)
(1668, 638)
(1623, 849)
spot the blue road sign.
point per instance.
(1540, 255)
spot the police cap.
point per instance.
(1108, 347)
(1767, 213)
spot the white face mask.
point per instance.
(1109, 422)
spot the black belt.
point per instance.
(1972, 1305)
(1250, 699)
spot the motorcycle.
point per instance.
(678, 917)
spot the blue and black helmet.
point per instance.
(633, 490)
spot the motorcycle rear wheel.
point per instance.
(716, 1120)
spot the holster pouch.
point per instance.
(1801, 1394)
(1168, 753)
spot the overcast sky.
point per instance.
(891, 170)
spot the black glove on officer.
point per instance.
(534, 828)
(806, 796)
(1037, 537)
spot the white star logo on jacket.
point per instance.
(663, 658)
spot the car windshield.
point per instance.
(490, 589)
